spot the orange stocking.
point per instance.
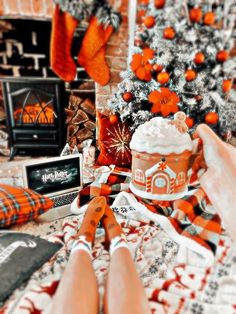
(92, 52)
(63, 28)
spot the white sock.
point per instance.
(118, 242)
(82, 244)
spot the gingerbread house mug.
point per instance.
(161, 177)
(162, 155)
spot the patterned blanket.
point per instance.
(191, 222)
(176, 279)
(172, 287)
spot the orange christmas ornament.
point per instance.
(190, 122)
(141, 13)
(209, 18)
(159, 4)
(226, 86)
(157, 67)
(113, 119)
(163, 77)
(222, 55)
(127, 96)
(169, 33)
(199, 58)
(195, 15)
(198, 97)
(164, 101)
(190, 75)
(149, 21)
(211, 118)
(144, 2)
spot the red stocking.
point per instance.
(92, 52)
(63, 28)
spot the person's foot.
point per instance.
(110, 224)
(93, 215)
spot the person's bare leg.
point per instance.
(125, 293)
(78, 290)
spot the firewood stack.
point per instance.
(80, 120)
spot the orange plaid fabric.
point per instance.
(18, 205)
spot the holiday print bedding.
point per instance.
(173, 285)
(191, 221)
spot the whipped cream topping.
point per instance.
(160, 136)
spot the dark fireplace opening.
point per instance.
(35, 115)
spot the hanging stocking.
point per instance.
(63, 28)
(92, 52)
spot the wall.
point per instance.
(24, 49)
(27, 8)
(116, 56)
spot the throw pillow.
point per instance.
(113, 139)
(21, 255)
(18, 205)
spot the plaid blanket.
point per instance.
(191, 221)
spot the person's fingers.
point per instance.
(207, 136)
(206, 180)
(213, 146)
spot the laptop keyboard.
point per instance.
(64, 199)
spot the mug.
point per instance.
(162, 177)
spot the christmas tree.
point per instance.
(181, 61)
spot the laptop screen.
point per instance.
(54, 176)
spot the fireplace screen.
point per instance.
(33, 108)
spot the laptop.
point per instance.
(59, 178)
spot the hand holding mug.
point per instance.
(219, 179)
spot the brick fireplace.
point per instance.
(24, 53)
